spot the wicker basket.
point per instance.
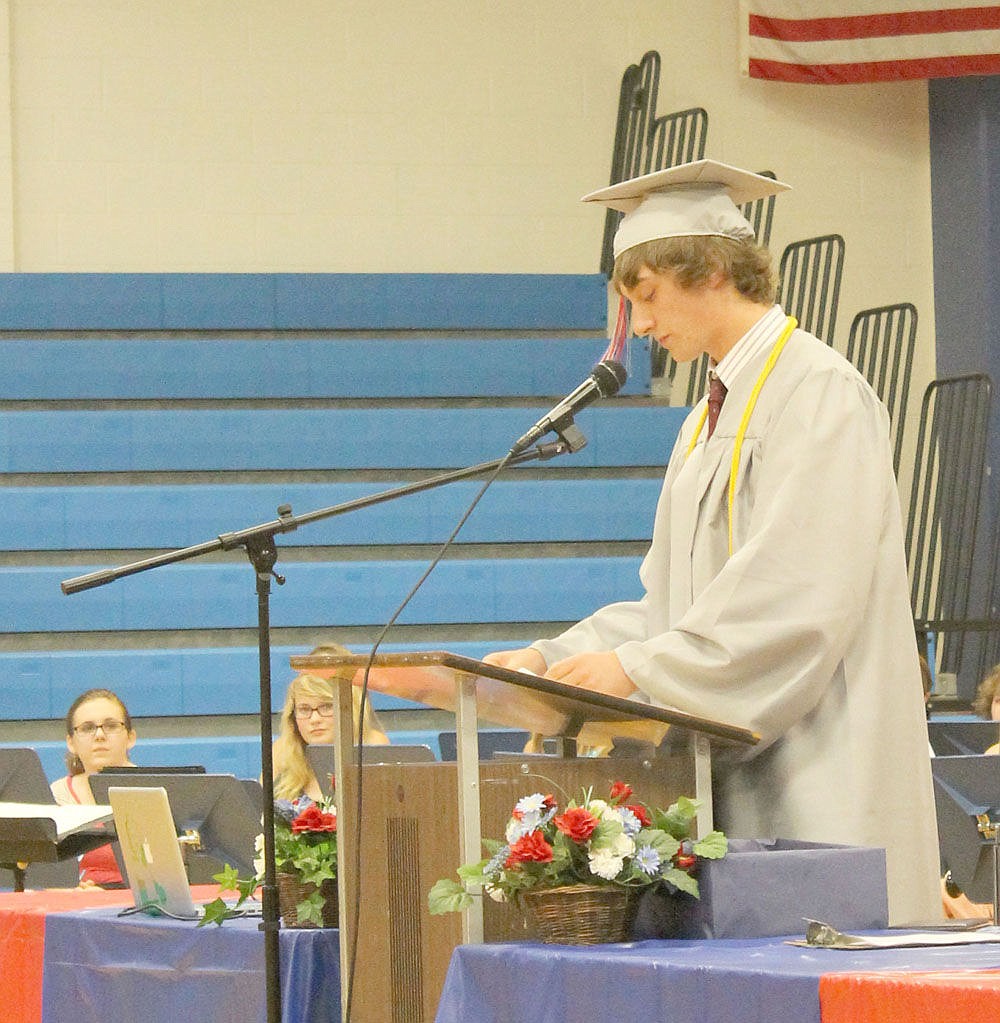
(291, 891)
(581, 914)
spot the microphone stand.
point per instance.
(258, 542)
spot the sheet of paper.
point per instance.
(67, 818)
(820, 935)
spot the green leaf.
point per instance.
(310, 909)
(228, 879)
(448, 896)
(604, 835)
(473, 873)
(678, 818)
(216, 912)
(666, 845)
(682, 880)
(712, 847)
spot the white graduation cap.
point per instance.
(699, 198)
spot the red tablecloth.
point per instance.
(22, 940)
(897, 997)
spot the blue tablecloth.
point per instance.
(752, 980)
(101, 968)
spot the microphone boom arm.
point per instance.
(570, 440)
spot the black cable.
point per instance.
(356, 908)
(154, 909)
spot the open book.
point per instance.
(65, 819)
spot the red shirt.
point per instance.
(99, 865)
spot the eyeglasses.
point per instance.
(109, 728)
(305, 712)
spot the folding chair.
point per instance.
(880, 346)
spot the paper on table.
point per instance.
(820, 935)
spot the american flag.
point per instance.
(834, 42)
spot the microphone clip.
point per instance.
(569, 433)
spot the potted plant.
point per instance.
(305, 859)
(576, 870)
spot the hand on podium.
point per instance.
(598, 673)
(526, 658)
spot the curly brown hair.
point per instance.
(692, 259)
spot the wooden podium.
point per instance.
(419, 822)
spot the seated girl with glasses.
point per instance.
(99, 734)
(307, 720)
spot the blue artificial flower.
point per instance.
(496, 864)
(647, 859)
(630, 822)
(287, 810)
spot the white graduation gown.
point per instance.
(805, 633)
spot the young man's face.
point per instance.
(679, 319)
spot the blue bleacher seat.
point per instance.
(151, 412)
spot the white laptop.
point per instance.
(151, 854)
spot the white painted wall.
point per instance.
(450, 135)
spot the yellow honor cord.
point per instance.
(734, 468)
(697, 430)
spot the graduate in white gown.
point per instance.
(776, 594)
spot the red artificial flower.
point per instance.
(313, 818)
(682, 862)
(620, 791)
(577, 823)
(640, 812)
(531, 848)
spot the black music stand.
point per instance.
(39, 838)
(961, 738)
(22, 780)
(967, 796)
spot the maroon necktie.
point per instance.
(716, 396)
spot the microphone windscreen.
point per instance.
(609, 377)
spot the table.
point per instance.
(895, 997)
(68, 956)
(22, 942)
(102, 968)
(755, 980)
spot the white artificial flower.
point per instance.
(621, 845)
(532, 809)
(516, 829)
(496, 894)
(598, 808)
(603, 864)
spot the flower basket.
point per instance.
(305, 859)
(292, 891)
(581, 914)
(579, 873)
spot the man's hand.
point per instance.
(599, 673)
(527, 658)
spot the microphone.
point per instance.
(605, 381)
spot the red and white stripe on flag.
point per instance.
(834, 42)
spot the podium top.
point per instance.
(515, 698)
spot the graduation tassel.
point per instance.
(618, 349)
